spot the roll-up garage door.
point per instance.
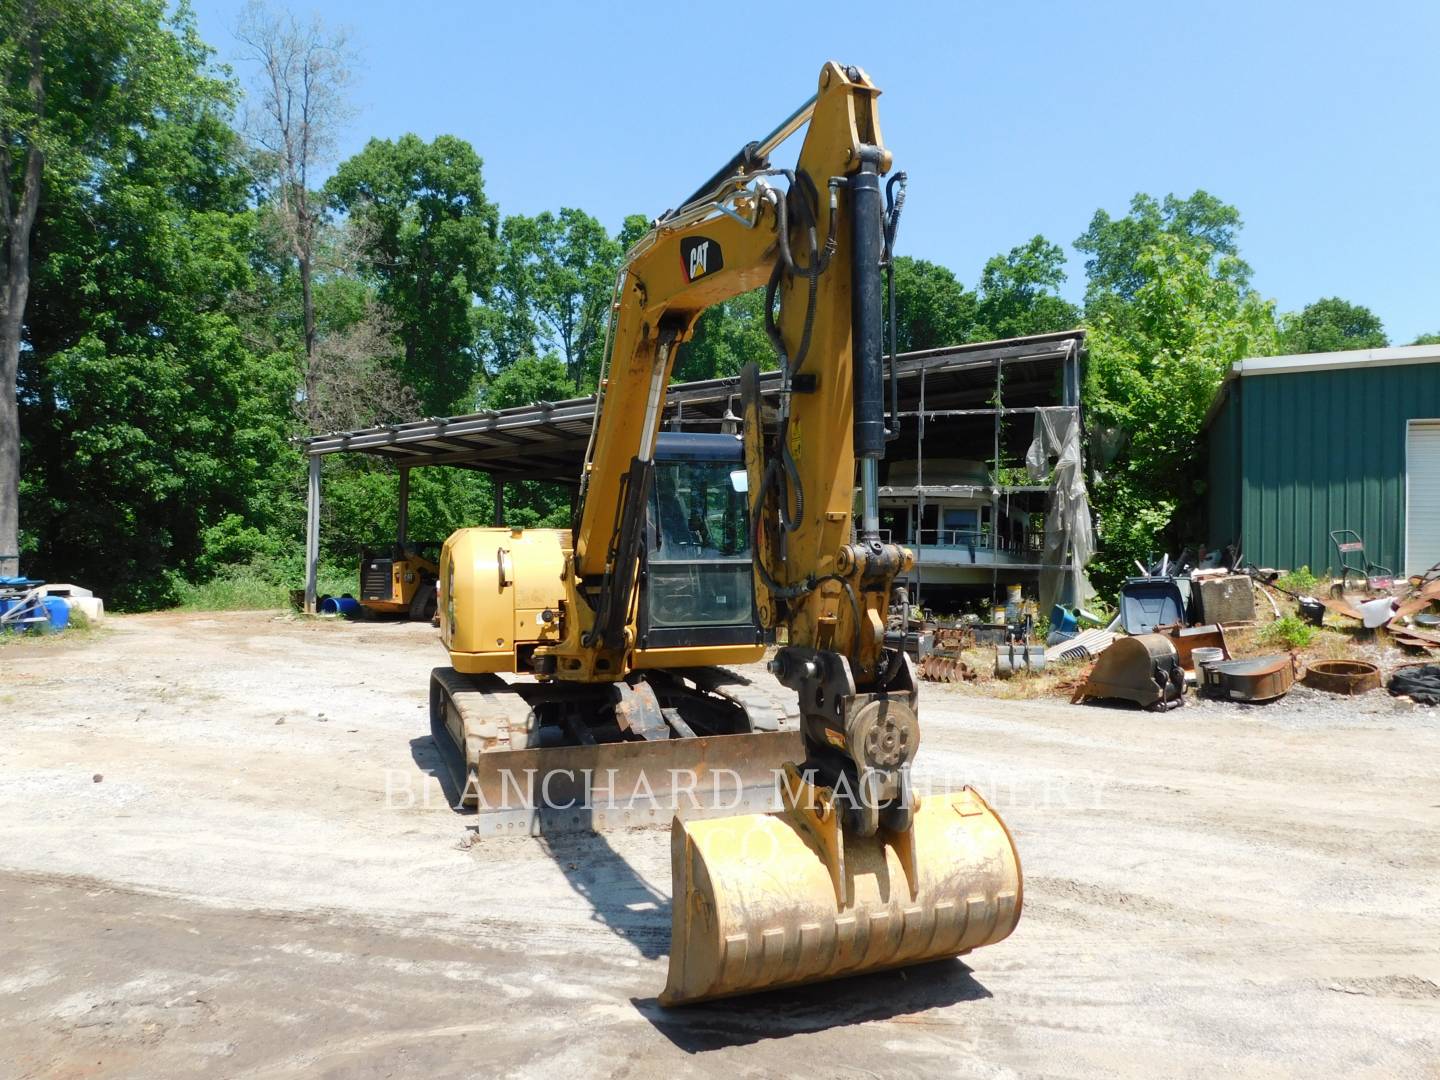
(1422, 496)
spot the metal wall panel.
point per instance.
(1323, 450)
(1223, 488)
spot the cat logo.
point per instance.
(699, 257)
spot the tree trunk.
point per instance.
(307, 303)
(10, 439)
(18, 221)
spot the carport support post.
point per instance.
(312, 534)
(499, 502)
(402, 526)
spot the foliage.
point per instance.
(431, 245)
(1161, 339)
(176, 337)
(1427, 339)
(1201, 223)
(528, 380)
(79, 84)
(727, 337)
(560, 269)
(933, 308)
(1298, 581)
(147, 416)
(1330, 325)
(1019, 293)
(262, 585)
(1289, 631)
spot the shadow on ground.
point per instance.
(803, 1010)
(619, 898)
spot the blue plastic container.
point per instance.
(59, 612)
(340, 605)
(1062, 620)
(57, 615)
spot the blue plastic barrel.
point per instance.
(1062, 619)
(340, 605)
(59, 612)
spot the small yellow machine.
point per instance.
(401, 578)
(589, 683)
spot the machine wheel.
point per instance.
(422, 604)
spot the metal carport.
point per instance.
(547, 440)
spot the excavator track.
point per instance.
(507, 769)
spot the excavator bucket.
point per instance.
(756, 905)
(1144, 669)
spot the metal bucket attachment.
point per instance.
(755, 906)
(1144, 669)
(1014, 657)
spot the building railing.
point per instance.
(971, 540)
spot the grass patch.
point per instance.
(79, 629)
(246, 588)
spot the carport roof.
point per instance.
(546, 440)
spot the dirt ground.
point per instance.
(222, 852)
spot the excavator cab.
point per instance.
(697, 585)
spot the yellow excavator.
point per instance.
(591, 682)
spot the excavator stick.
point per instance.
(757, 907)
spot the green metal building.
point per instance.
(1300, 446)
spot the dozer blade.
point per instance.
(617, 785)
(755, 906)
(484, 731)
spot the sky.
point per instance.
(1320, 121)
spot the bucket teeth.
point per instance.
(755, 907)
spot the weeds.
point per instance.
(1298, 581)
(255, 588)
(1292, 632)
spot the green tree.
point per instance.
(632, 229)
(76, 78)
(430, 241)
(727, 337)
(528, 380)
(1330, 325)
(933, 308)
(1156, 362)
(1019, 293)
(561, 268)
(1427, 339)
(1115, 245)
(150, 421)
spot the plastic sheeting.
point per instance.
(1056, 447)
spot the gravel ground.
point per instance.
(222, 851)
